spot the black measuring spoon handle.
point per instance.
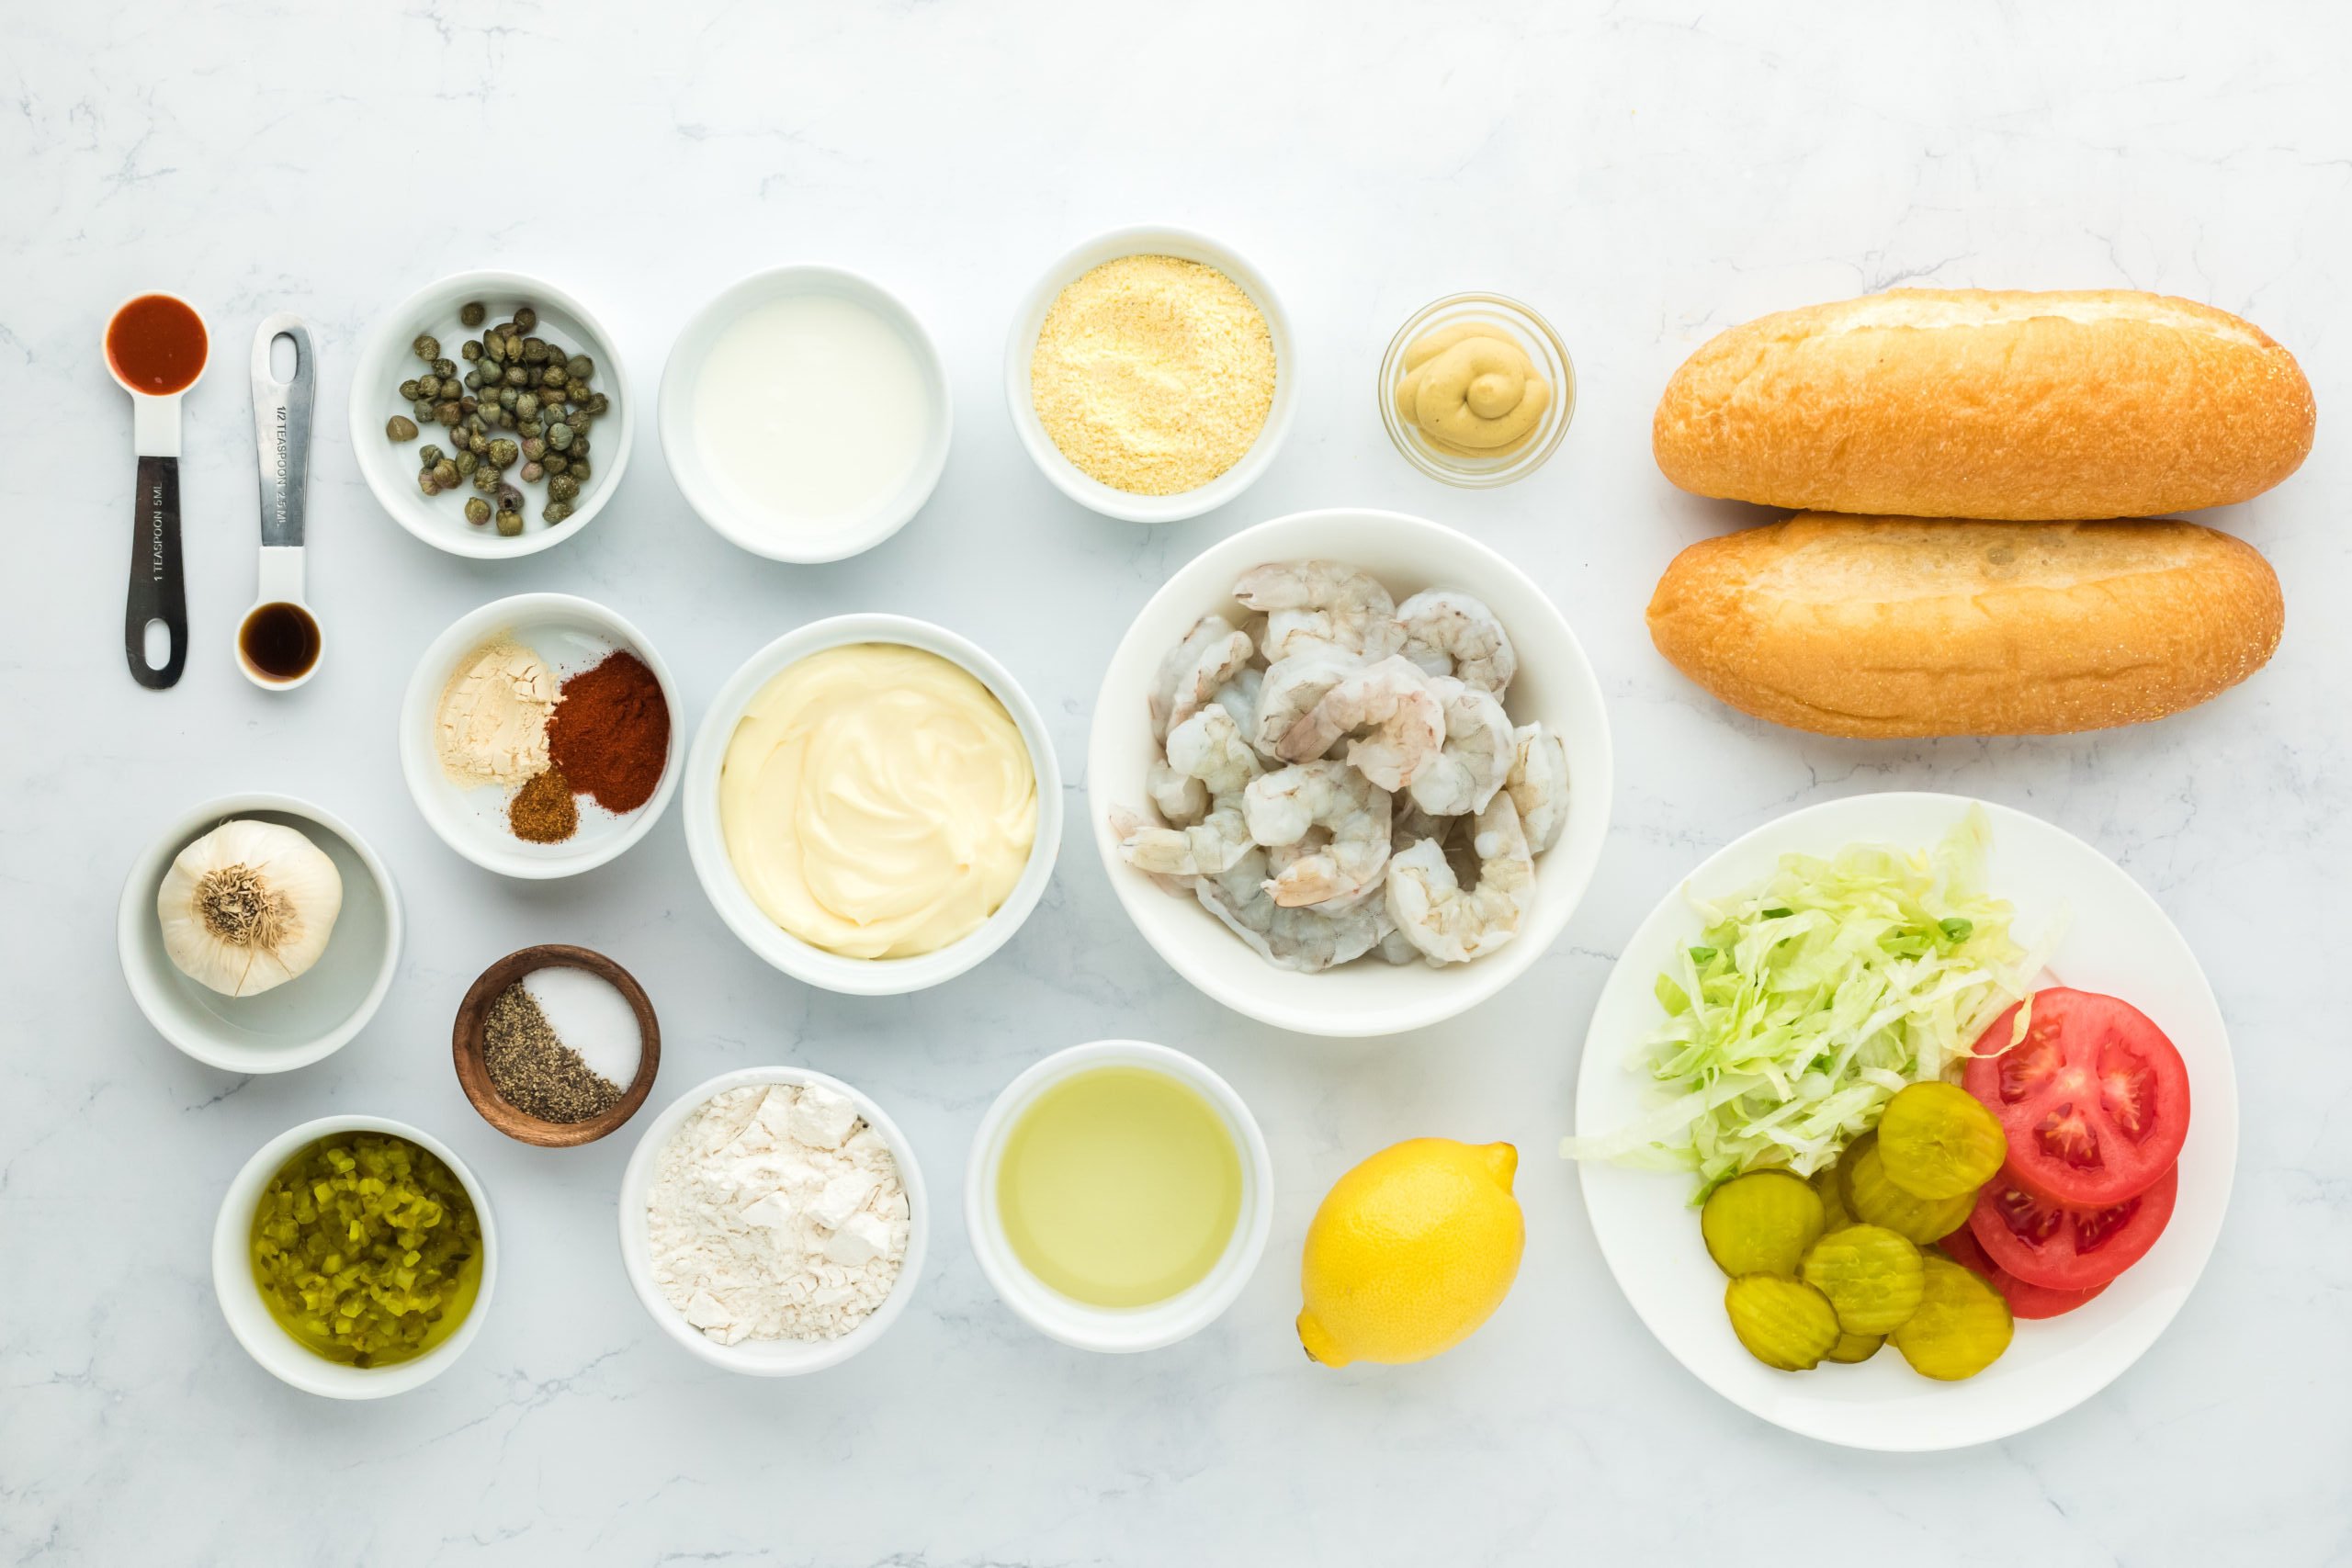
(158, 589)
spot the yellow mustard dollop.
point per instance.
(1473, 389)
(877, 801)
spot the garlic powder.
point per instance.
(776, 1213)
(1153, 374)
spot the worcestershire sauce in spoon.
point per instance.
(280, 640)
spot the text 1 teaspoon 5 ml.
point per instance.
(155, 348)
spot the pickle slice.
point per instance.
(1936, 1140)
(1870, 1274)
(1876, 1201)
(1760, 1223)
(1782, 1321)
(1835, 1215)
(1853, 1347)
(1961, 1327)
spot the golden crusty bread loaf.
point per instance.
(1886, 627)
(1935, 402)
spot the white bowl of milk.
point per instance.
(805, 413)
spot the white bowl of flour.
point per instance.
(774, 1221)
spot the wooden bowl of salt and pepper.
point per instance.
(526, 1078)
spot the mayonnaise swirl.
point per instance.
(877, 801)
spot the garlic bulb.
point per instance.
(247, 906)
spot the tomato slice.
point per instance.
(2066, 1246)
(2025, 1299)
(2094, 1100)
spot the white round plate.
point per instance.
(2116, 941)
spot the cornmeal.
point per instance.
(1153, 374)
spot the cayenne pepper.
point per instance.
(610, 735)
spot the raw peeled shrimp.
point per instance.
(1180, 798)
(1452, 924)
(1280, 808)
(1410, 822)
(1306, 940)
(1321, 606)
(1447, 632)
(1538, 784)
(1477, 754)
(1289, 691)
(1215, 844)
(1282, 857)
(1209, 749)
(1210, 655)
(1238, 697)
(1393, 700)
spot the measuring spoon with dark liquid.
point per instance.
(155, 349)
(279, 641)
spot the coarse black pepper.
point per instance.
(531, 1068)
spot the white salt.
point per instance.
(589, 1014)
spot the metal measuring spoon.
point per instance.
(155, 348)
(278, 642)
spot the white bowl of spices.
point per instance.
(541, 735)
(1152, 374)
(805, 413)
(774, 1221)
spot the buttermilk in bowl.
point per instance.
(877, 801)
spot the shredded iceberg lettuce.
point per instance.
(1809, 1000)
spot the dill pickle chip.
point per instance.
(1961, 1325)
(1870, 1274)
(1853, 1347)
(1936, 1140)
(1835, 1215)
(1760, 1223)
(1876, 1201)
(1783, 1323)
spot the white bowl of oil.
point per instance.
(1119, 1196)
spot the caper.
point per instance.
(598, 403)
(466, 461)
(478, 443)
(555, 376)
(580, 367)
(524, 404)
(578, 449)
(534, 471)
(553, 462)
(578, 469)
(518, 377)
(471, 314)
(425, 347)
(410, 392)
(449, 413)
(494, 348)
(445, 474)
(559, 435)
(428, 483)
(535, 447)
(471, 405)
(526, 318)
(509, 497)
(428, 455)
(531, 428)
(428, 386)
(534, 350)
(563, 487)
(503, 453)
(473, 381)
(423, 409)
(477, 510)
(555, 512)
(510, 523)
(485, 479)
(400, 427)
(445, 368)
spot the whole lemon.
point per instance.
(1411, 1252)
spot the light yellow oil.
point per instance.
(1120, 1187)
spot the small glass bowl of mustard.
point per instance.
(1487, 436)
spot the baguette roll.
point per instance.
(1891, 627)
(1975, 403)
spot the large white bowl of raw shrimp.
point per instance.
(1350, 772)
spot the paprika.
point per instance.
(610, 733)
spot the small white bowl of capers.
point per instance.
(491, 415)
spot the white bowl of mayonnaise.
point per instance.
(872, 804)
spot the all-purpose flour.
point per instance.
(776, 1213)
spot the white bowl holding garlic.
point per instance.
(259, 933)
(805, 413)
(1151, 374)
(774, 1221)
(473, 730)
(1294, 879)
(872, 804)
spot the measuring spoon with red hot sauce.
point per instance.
(155, 348)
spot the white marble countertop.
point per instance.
(1647, 173)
